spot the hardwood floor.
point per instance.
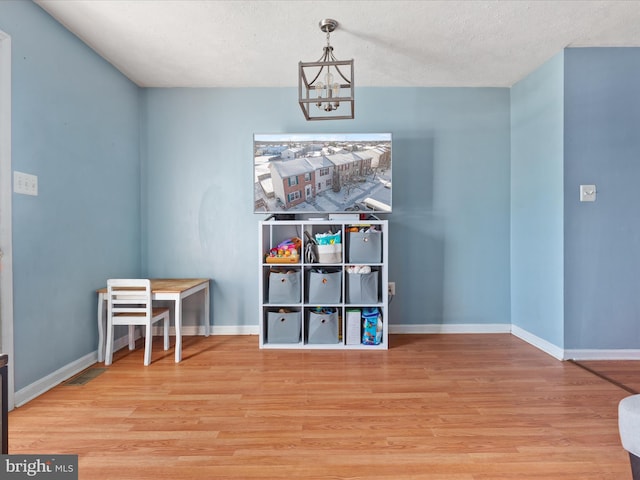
(468, 407)
(623, 372)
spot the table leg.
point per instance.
(178, 325)
(207, 317)
(101, 327)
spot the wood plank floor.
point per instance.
(625, 373)
(467, 407)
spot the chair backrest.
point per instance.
(129, 297)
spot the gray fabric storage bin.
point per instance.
(365, 247)
(322, 327)
(362, 287)
(284, 287)
(284, 327)
(324, 287)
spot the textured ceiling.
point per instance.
(210, 43)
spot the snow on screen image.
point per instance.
(331, 173)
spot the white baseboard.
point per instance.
(575, 354)
(196, 330)
(531, 339)
(39, 387)
(539, 343)
(233, 330)
(622, 354)
(451, 328)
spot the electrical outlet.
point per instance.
(25, 183)
(392, 288)
(587, 193)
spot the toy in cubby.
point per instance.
(286, 251)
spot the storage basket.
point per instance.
(284, 327)
(365, 247)
(284, 287)
(324, 287)
(329, 253)
(323, 327)
(362, 287)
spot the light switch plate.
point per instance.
(25, 183)
(587, 193)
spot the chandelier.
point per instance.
(329, 93)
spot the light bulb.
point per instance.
(319, 86)
(329, 79)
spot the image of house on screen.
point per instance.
(322, 175)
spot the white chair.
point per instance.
(629, 428)
(129, 303)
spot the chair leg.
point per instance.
(132, 337)
(635, 466)
(166, 332)
(108, 354)
(148, 339)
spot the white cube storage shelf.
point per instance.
(315, 303)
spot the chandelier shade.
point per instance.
(325, 87)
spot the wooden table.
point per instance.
(172, 289)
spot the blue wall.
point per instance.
(574, 265)
(602, 239)
(486, 226)
(74, 125)
(449, 249)
(537, 212)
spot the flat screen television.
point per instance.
(308, 173)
